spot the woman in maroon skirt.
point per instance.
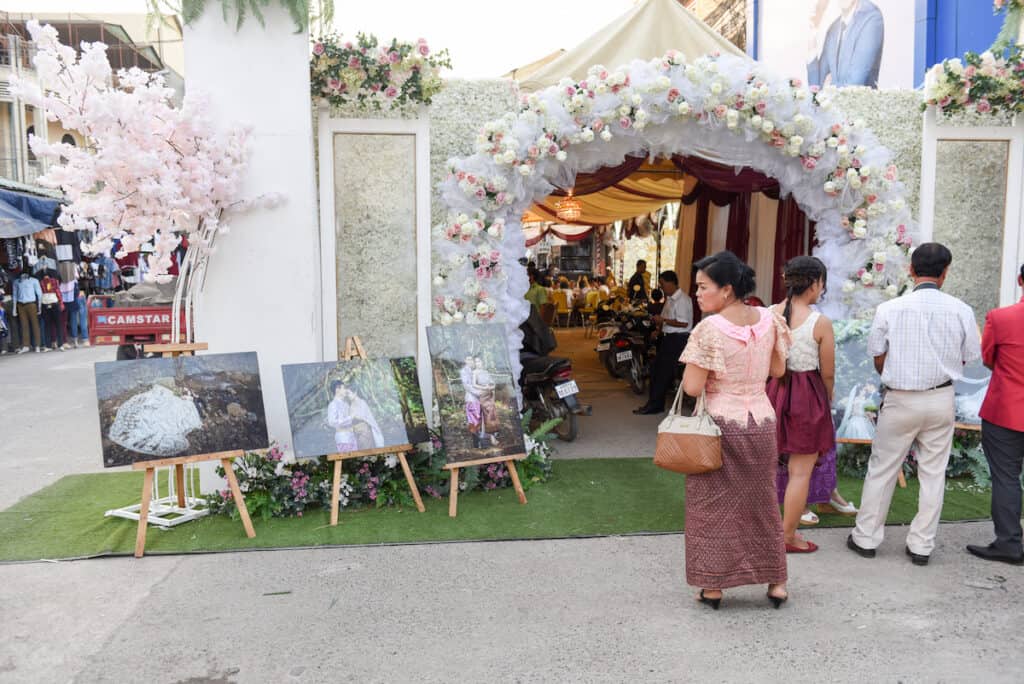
(733, 528)
(803, 397)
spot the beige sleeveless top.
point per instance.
(803, 354)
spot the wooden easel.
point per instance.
(179, 462)
(510, 463)
(354, 350)
(225, 458)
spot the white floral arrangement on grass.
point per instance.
(720, 107)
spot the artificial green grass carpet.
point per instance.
(583, 498)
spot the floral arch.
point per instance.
(718, 107)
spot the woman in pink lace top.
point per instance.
(733, 526)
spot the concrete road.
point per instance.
(48, 413)
(595, 610)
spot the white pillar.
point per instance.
(262, 288)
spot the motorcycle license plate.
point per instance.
(603, 346)
(624, 355)
(567, 389)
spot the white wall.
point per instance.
(262, 290)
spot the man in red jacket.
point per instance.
(1002, 428)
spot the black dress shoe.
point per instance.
(648, 410)
(991, 553)
(916, 558)
(859, 550)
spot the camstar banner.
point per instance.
(839, 42)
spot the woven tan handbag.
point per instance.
(688, 444)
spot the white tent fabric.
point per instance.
(649, 30)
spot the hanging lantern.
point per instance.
(569, 209)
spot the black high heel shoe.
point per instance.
(777, 601)
(713, 602)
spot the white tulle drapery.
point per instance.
(720, 108)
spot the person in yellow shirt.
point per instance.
(536, 295)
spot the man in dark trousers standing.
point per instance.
(676, 320)
(638, 284)
(1002, 428)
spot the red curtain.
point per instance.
(789, 241)
(604, 177)
(725, 178)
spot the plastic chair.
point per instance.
(589, 311)
(561, 303)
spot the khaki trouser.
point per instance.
(28, 315)
(927, 418)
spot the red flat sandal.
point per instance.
(811, 548)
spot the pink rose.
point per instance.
(552, 149)
(480, 193)
(570, 91)
(901, 229)
(879, 267)
(872, 199)
(815, 89)
(720, 110)
(319, 49)
(861, 213)
(598, 125)
(334, 84)
(761, 107)
(625, 122)
(809, 162)
(836, 128)
(860, 273)
(969, 72)
(603, 75)
(673, 94)
(501, 197)
(375, 87)
(983, 106)
(353, 62)
(471, 178)
(391, 92)
(583, 85)
(796, 82)
(423, 49)
(855, 163)
(533, 151)
(348, 45)
(845, 222)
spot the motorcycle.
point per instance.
(549, 390)
(629, 348)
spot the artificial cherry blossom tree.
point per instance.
(150, 172)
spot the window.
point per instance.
(69, 139)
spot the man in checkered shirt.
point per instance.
(920, 343)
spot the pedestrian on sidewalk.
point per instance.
(920, 343)
(1002, 428)
(53, 310)
(733, 528)
(803, 396)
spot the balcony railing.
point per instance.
(9, 169)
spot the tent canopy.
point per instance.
(23, 214)
(649, 30)
(647, 189)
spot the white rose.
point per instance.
(860, 150)
(438, 281)
(606, 135)
(499, 158)
(716, 88)
(867, 278)
(830, 187)
(601, 89)
(879, 257)
(560, 155)
(482, 308)
(508, 157)
(788, 130)
(859, 232)
(833, 142)
(849, 286)
(587, 135)
(457, 317)
(525, 169)
(851, 174)
(636, 100)
(624, 110)
(855, 183)
(692, 73)
(860, 223)
(892, 291)
(446, 318)
(767, 126)
(796, 141)
(843, 150)
(865, 171)
(684, 108)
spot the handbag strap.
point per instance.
(677, 405)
